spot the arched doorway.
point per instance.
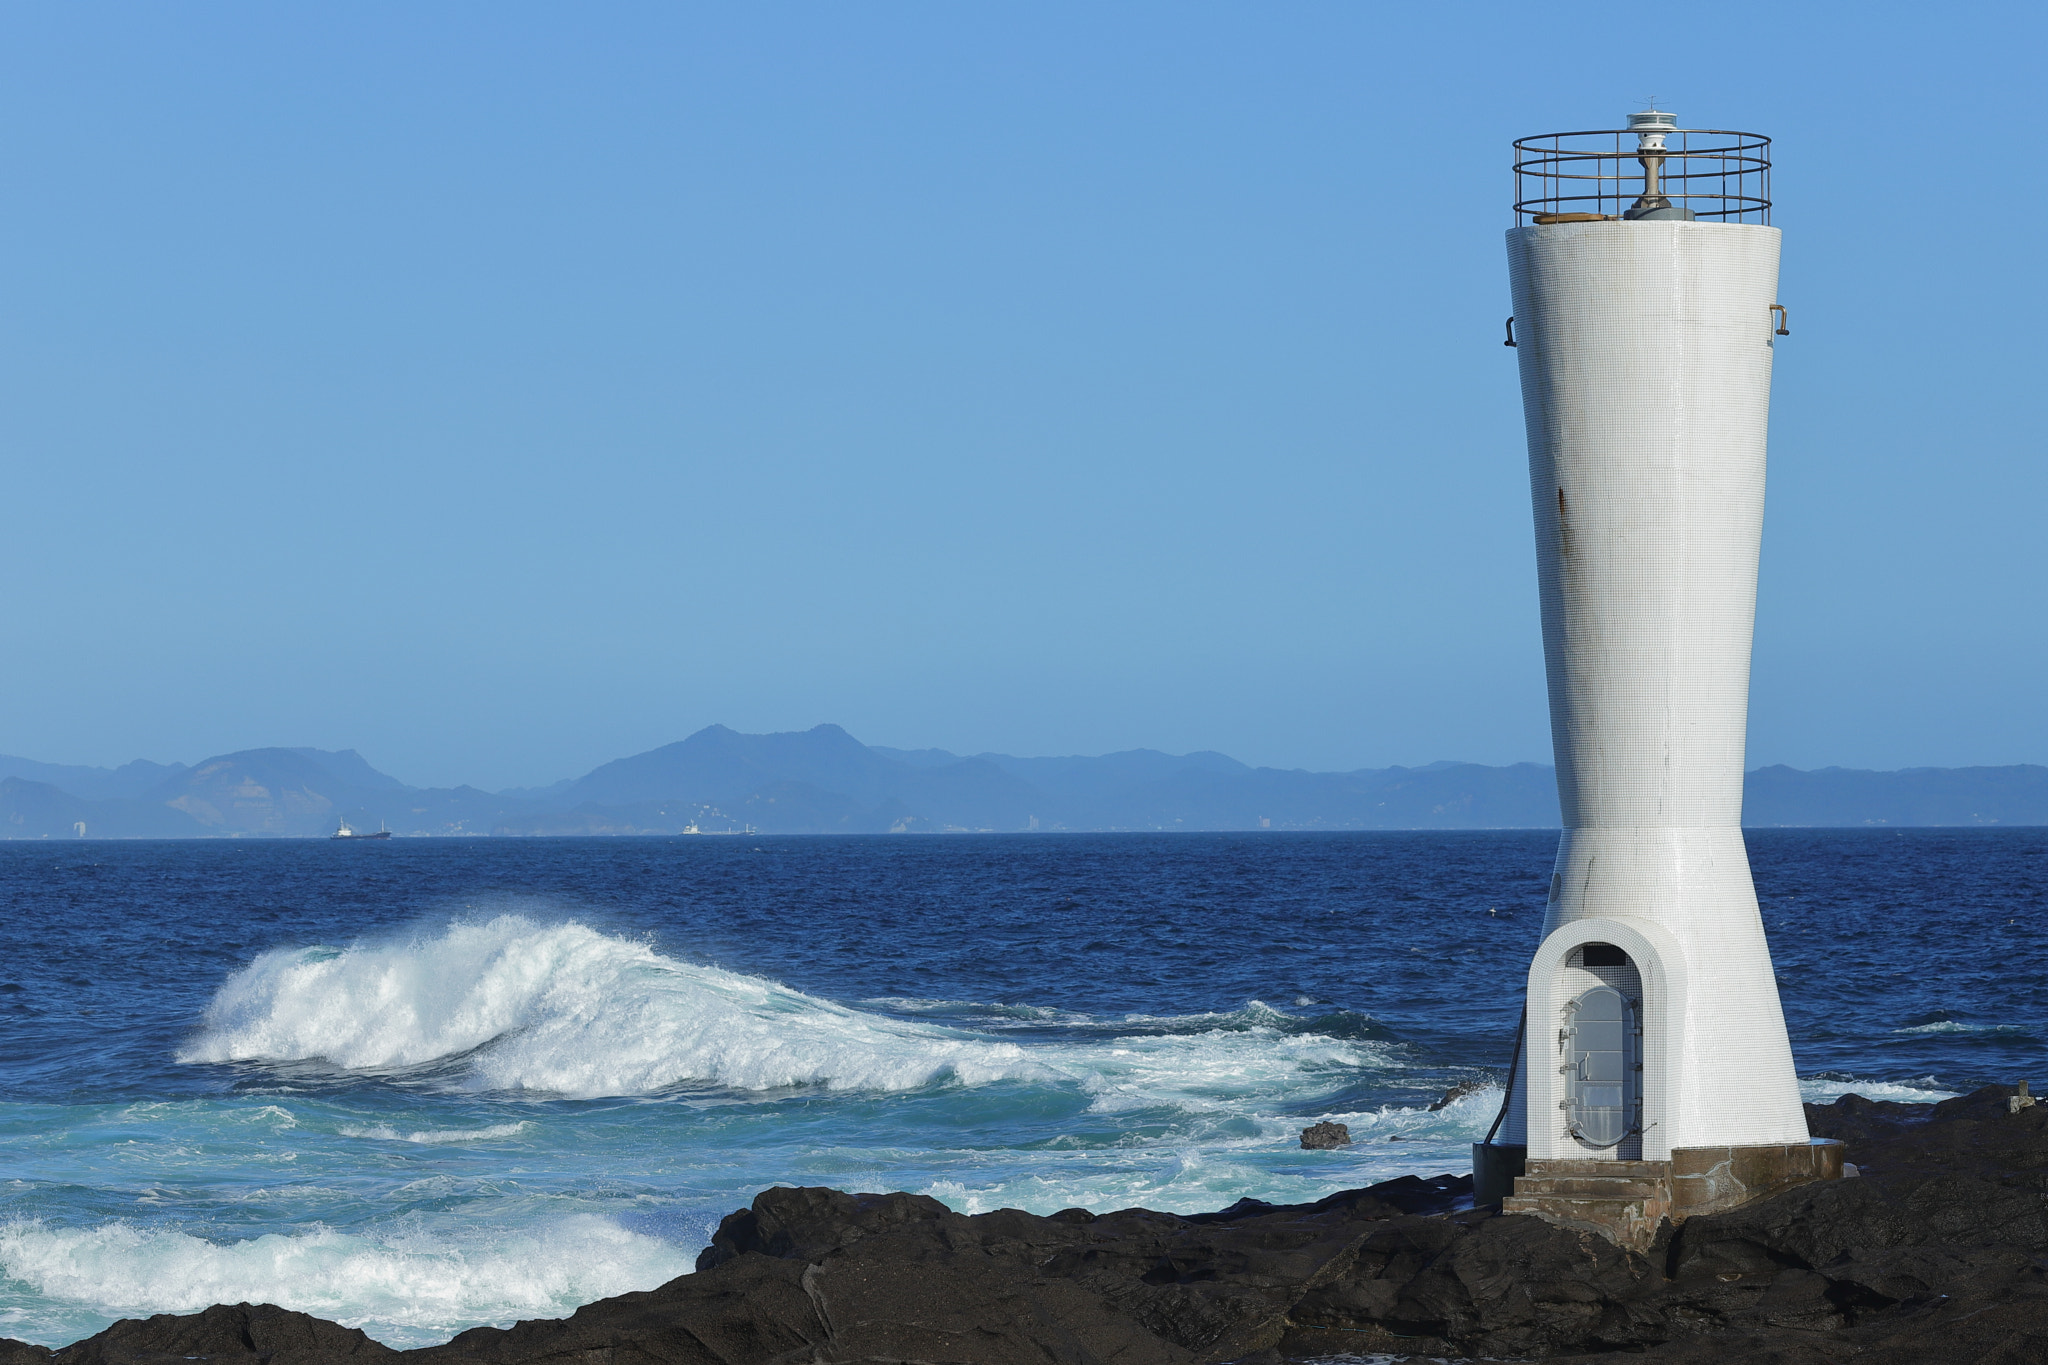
(1603, 1045)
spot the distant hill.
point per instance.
(824, 781)
(280, 793)
(30, 810)
(93, 784)
(721, 765)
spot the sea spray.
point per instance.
(416, 1283)
(1828, 1087)
(563, 1009)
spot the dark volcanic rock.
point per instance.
(1456, 1093)
(1326, 1135)
(259, 1334)
(1938, 1253)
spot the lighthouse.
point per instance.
(1654, 1078)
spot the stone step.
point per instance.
(1592, 1187)
(1621, 1200)
(1548, 1203)
(1628, 1222)
(1580, 1166)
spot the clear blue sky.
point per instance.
(502, 388)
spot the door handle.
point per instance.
(1784, 320)
(1511, 331)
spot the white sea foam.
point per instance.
(567, 1010)
(984, 1013)
(1228, 1161)
(1216, 1069)
(1464, 1120)
(1212, 1062)
(1252, 1014)
(1823, 1089)
(1953, 1026)
(511, 1004)
(408, 1286)
(384, 1132)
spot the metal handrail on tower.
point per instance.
(1651, 169)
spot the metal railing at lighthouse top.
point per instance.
(1702, 173)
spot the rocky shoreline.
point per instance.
(1937, 1252)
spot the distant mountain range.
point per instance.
(824, 781)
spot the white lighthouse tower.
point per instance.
(1655, 1078)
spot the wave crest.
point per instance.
(1958, 1027)
(566, 1010)
(414, 1286)
(384, 1132)
(1827, 1087)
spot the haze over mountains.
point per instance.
(824, 781)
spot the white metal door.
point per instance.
(1604, 1085)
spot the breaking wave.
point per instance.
(513, 1005)
(1826, 1088)
(566, 1010)
(415, 1285)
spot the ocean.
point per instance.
(418, 1085)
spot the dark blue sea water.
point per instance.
(418, 1085)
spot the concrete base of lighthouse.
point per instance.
(1626, 1201)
